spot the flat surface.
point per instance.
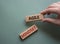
(12, 15)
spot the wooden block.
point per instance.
(34, 17)
(28, 32)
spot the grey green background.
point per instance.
(12, 22)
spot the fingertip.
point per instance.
(43, 20)
(49, 20)
(43, 12)
(46, 20)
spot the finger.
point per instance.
(58, 2)
(49, 10)
(53, 5)
(50, 20)
(43, 12)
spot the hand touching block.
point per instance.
(34, 17)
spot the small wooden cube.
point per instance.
(34, 17)
(28, 32)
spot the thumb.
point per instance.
(50, 20)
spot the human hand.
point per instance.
(54, 8)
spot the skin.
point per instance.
(53, 8)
